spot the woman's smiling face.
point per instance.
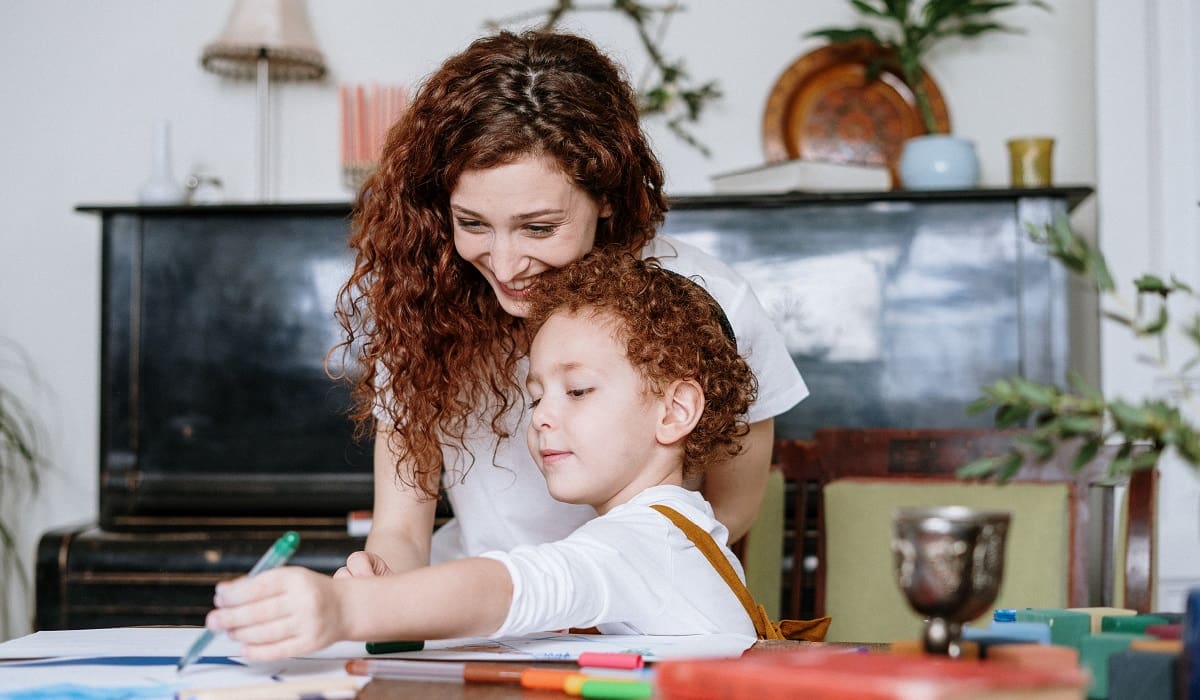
(518, 220)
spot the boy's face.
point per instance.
(593, 427)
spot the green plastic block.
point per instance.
(1094, 652)
(1135, 624)
(1067, 627)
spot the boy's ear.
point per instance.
(605, 210)
(684, 403)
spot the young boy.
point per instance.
(635, 383)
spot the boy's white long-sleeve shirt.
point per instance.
(630, 571)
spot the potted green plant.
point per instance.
(20, 467)
(906, 31)
(1080, 415)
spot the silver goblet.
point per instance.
(949, 563)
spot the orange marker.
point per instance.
(547, 678)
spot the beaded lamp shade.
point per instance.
(265, 40)
(277, 30)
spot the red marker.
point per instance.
(608, 659)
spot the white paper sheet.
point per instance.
(115, 641)
(146, 682)
(126, 657)
(557, 647)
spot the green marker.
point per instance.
(277, 555)
(393, 647)
(601, 689)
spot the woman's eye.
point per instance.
(541, 229)
(470, 224)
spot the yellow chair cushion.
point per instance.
(861, 593)
(763, 558)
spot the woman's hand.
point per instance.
(363, 563)
(279, 613)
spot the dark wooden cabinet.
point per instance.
(220, 428)
(215, 400)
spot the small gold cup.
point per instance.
(1030, 161)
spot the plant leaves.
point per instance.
(979, 406)
(975, 29)
(1100, 273)
(1071, 426)
(1083, 387)
(1145, 460)
(868, 9)
(1011, 465)
(1034, 392)
(1087, 452)
(1012, 415)
(1156, 326)
(843, 36)
(1151, 284)
(1042, 448)
(979, 469)
(1128, 417)
(1118, 318)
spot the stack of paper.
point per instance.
(803, 176)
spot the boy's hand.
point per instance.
(279, 613)
(363, 563)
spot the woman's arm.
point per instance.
(402, 520)
(735, 487)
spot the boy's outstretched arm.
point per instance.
(293, 611)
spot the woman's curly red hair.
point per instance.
(672, 329)
(430, 342)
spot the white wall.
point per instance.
(1148, 85)
(81, 83)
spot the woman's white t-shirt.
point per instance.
(501, 500)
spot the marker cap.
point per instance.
(608, 659)
(393, 647)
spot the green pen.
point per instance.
(277, 555)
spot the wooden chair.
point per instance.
(761, 550)
(934, 455)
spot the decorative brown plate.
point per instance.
(823, 108)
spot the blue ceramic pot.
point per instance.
(938, 162)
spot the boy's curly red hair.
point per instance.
(672, 329)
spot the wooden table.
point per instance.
(387, 689)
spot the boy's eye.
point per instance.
(533, 404)
(578, 393)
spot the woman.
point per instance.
(519, 155)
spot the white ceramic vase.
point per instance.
(161, 187)
(938, 162)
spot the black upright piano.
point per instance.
(220, 428)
